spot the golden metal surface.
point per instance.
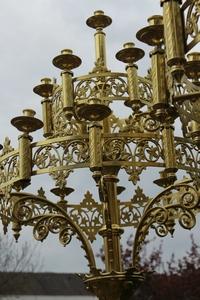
(160, 92)
(192, 67)
(25, 160)
(190, 12)
(130, 54)
(47, 117)
(67, 60)
(67, 88)
(27, 123)
(45, 88)
(81, 131)
(178, 202)
(154, 33)
(95, 146)
(174, 37)
(99, 20)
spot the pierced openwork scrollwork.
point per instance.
(9, 164)
(88, 215)
(178, 202)
(187, 156)
(57, 102)
(191, 11)
(6, 206)
(109, 86)
(53, 224)
(133, 154)
(136, 123)
(76, 152)
(117, 149)
(186, 87)
(46, 156)
(63, 127)
(7, 148)
(65, 153)
(46, 217)
(148, 150)
(185, 99)
(9, 168)
(145, 90)
(135, 150)
(131, 212)
(140, 123)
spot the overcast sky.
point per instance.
(32, 33)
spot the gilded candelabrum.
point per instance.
(81, 131)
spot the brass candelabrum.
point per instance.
(81, 131)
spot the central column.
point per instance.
(111, 230)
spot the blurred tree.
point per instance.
(176, 279)
(15, 258)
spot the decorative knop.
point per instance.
(62, 193)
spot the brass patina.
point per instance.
(81, 131)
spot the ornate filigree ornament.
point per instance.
(81, 131)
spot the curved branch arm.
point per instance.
(167, 192)
(46, 217)
(181, 204)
